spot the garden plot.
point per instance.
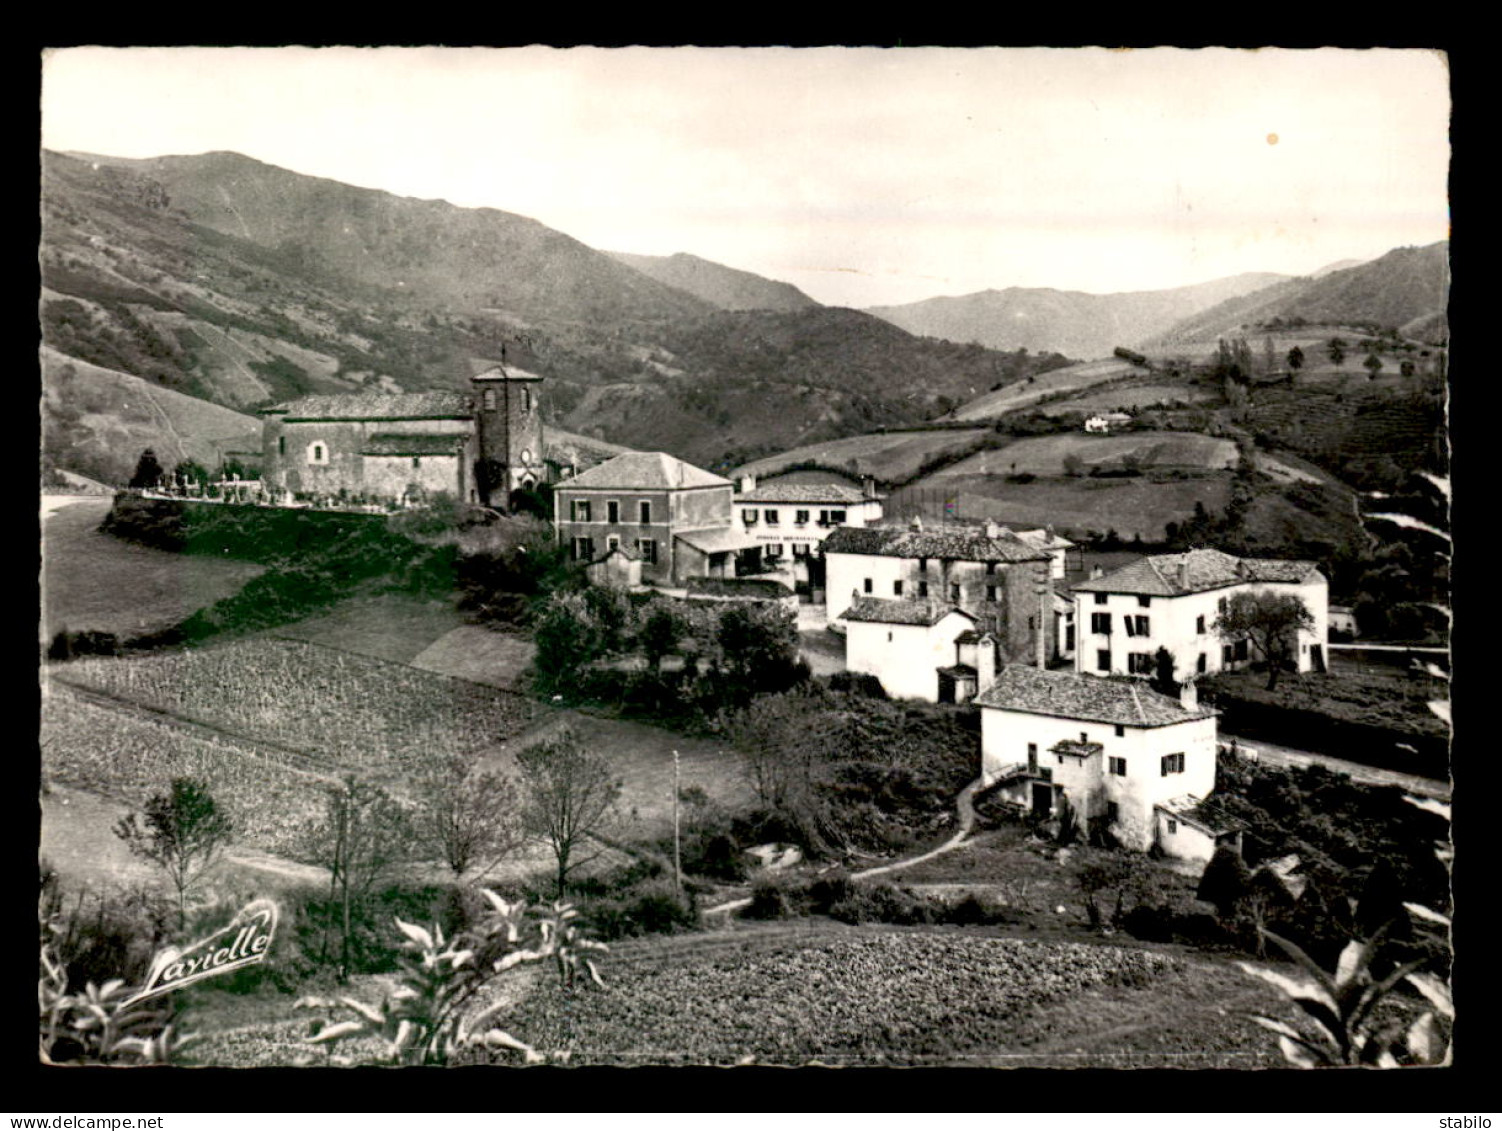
(1045, 455)
(888, 456)
(873, 996)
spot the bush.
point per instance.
(652, 908)
(858, 683)
(773, 898)
(106, 934)
(882, 903)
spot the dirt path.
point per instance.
(1284, 756)
(964, 811)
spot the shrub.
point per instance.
(882, 903)
(858, 683)
(773, 898)
(652, 908)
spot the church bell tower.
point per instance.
(508, 427)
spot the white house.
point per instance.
(918, 649)
(1105, 421)
(1002, 580)
(790, 521)
(1114, 748)
(1171, 601)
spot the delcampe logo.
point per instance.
(245, 942)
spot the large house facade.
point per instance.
(1172, 601)
(673, 517)
(790, 521)
(1000, 579)
(477, 447)
(917, 649)
(1114, 749)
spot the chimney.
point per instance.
(917, 523)
(985, 663)
(1184, 572)
(1045, 613)
(748, 484)
(1096, 571)
(1189, 696)
(868, 487)
(992, 530)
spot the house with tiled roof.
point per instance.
(917, 649)
(675, 517)
(1172, 601)
(477, 446)
(1116, 751)
(1002, 580)
(790, 521)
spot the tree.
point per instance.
(659, 635)
(148, 471)
(184, 833)
(363, 836)
(567, 639)
(190, 471)
(1163, 681)
(1295, 359)
(1225, 882)
(1373, 365)
(1271, 621)
(568, 796)
(469, 815)
(1074, 466)
(1337, 350)
(760, 645)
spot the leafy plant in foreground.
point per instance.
(97, 1026)
(430, 1016)
(1344, 1006)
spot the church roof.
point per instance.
(1089, 698)
(436, 404)
(412, 444)
(645, 471)
(1195, 571)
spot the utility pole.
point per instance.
(677, 851)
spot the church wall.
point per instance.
(345, 468)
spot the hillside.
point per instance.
(1408, 287)
(469, 258)
(241, 284)
(720, 286)
(1069, 322)
(98, 421)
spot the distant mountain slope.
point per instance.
(1408, 285)
(233, 282)
(1080, 325)
(96, 422)
(471, 258)
(724, 287)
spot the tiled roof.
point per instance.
(890, 610)
(644, 471)
(495, 371)
(1090, 698)
(959, 671)
(1195, 571)
(963, 545)
(1078, 749)
(1203, 813)
(829, 493)
(747, 588)
(441, 403)
(717, 539)
(412, 444)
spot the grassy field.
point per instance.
(92, 581)
(889, 456)
(1023, 394)
(1045, 455)
(1128, 506)
(1129, 398)
(387, 626)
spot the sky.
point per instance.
(863, 176)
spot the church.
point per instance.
(479, 446)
